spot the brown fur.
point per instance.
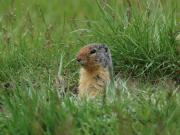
(93, 76)
(94, 82)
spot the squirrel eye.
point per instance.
(93, 51)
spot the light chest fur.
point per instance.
(94, 82)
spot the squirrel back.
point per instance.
(96, 69)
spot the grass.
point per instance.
(38, 44)
(147, 110)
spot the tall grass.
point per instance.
(141, 36)
(41, 111)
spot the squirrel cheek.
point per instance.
(83, 62)
(92, 62)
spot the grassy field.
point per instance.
(38, 43)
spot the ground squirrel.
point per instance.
(96, 69)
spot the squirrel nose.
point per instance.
(78, 59)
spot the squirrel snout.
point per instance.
(81, 61)
(78, 59)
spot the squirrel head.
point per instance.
(93, 56)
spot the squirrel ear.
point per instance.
(106, 48)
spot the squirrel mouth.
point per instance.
(82, 63)
(87, 64)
